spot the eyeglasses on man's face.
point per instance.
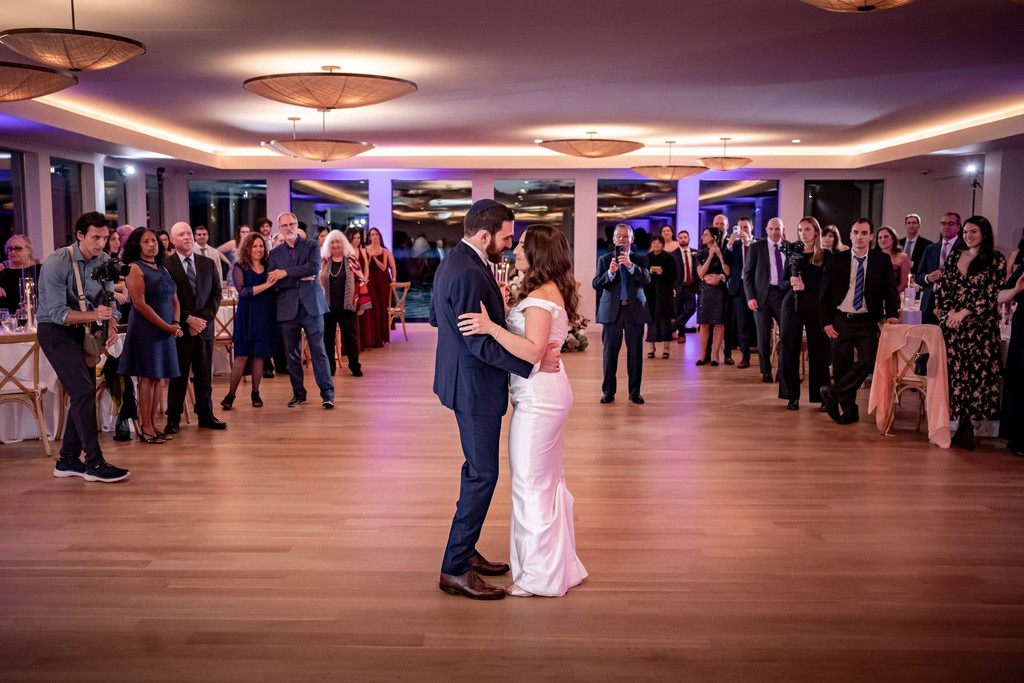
(947, 223)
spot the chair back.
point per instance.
(399, 291)
(19, 366)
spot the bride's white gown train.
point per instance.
(543, 542)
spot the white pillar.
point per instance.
(1003, 200)
(38, 209)
(585, 244)
(380, 206)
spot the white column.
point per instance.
(135, 196)
(380, 206)
(38, 203)
(585, 244)
(1003, 200)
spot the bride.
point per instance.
(543, 543)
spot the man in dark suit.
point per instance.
(766, 284)
(622, 310)
(929, 270)
(301, 305)
(686, 298)
(854, 299)
(913, 244)
(471, 378)
(737, 250)
(199, 299)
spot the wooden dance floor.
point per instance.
(726, 538)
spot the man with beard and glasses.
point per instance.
(471, 378)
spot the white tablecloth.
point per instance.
(17, 421)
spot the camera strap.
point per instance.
(78, 281)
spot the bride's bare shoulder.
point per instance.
(548, 292)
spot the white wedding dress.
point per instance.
(543, 542)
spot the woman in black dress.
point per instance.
(800, 313)
(661, 294)
(967, 309)
(340, 276)
(712, 271)
(149, 349)
(1011, 423)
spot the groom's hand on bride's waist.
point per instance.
(551, 361)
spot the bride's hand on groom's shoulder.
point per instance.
(475, 323)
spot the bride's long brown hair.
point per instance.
(547, 251)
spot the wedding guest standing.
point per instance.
(253, 333)
(149, 349)
(660, 293)
(1011, 424)
(887, 241)
(340, 276)
(799, 315)
(966, 306)
(712, 270)
(381, 264)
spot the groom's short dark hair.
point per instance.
(488, 215)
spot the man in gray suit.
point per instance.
(300, 308)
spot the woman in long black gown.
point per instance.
(800, 313)
(660, 296)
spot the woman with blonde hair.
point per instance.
(799, 314)
(19, 265)
(340, 276)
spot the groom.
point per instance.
(471, 378)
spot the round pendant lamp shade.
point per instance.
(856, 5)
(319, 149)
(591, 147)
(25, 82)
(669, 171)
(329, 89)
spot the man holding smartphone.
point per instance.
(622, 310)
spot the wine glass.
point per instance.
(21, 315)
(7, 321)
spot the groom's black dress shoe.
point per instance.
(481, 566)
(471, 586)
(607, 398)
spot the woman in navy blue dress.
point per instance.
(253, 334)
(149, 349)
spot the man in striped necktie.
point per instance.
(858, 290)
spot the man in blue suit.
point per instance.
(622, 310)
(471, 378)
(929, 270)
(300, 307)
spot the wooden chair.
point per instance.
(224, 330)
(905, 379)
(396, 311)
(20, 384)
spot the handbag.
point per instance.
(363, 302)
(94, 343)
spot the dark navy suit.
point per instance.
(622, 317)
(471, 378)
(928, 264)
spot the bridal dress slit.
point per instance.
(543, 542)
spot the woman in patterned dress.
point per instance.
(966, 306)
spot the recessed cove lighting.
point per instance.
(796, 141)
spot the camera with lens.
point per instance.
(795, 252)
(111, 271)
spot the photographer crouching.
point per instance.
(75, 296)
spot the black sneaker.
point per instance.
(296, 402)
(69, 468)
(105, 472)
(328, 403)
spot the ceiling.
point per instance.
(857, 89)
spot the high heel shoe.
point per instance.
(228, 401)
(699, 363)
(517, 592)
(257, 402)
(146, 438)
(714, 363)
(650, 354)
(664, 354)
